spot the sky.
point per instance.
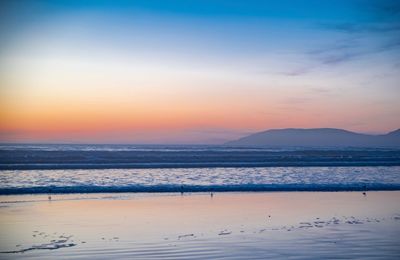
(195, 72)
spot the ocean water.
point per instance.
(26, 169)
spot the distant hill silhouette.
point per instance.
(318, 137)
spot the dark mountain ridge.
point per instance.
(318, 137)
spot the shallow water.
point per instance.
(306, 225)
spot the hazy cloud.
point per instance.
(383, 29)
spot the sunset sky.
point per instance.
(195, 71)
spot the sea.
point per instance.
(83, 168)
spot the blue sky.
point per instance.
(196, 71)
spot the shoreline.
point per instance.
(200, 180)
(187, 189)
(197, 225)
(134, 195)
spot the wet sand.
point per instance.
(286, 225)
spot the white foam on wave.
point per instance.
(201, 180)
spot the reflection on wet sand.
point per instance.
(127, 224)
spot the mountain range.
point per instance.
(317, 137)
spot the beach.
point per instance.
(228, 225)
(199, 129)
(74, 201)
